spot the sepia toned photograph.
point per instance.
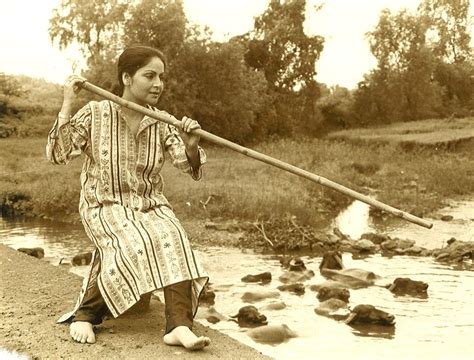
(237, 179)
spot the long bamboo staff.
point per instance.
(169, 119)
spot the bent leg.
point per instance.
(179, 318)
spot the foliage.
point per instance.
(336, 107)
(449, 23)
(160, 24)
(9, 86)
(214, 86)
(27, 105)
(413, 80)
(93, 24)
(280, 47)
(206, 80)
(261, 84)
(456, 80)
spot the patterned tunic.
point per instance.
(140, 244)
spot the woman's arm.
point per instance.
(183, 147)
(69, 136)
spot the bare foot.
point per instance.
(82, 332)
(183, 336)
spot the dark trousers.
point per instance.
(178, 306)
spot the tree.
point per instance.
(402, 86)
(396, 39)
(213, 85)
(160, 24)
(10, 86)
(281, 49)
(335, 107)
(206, 80)
(93, 24)
(449, 26)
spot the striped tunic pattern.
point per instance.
(140, 244)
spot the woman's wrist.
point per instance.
(66, 107)
(63, 117)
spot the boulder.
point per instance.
(375, 238)
(456, 251)
(414, 250)
(210, 314)
(369, 315)
(264, 278)
(333, 308)
(82, 259)
(297, 288)
(249, 316)
(296, 276)
(364, 245)
(208, 296)
(326, 293)
(272, 334)
(254, 296)
(407, 286)
(393, 244)
(274, 305)
(36, 252)
(447, 217)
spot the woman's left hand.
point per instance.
(190, 139)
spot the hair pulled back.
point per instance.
(133, 58)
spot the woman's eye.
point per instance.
(149, 76)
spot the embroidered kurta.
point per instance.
(140, 244)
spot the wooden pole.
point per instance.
(169, 119)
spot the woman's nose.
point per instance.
(158, 84)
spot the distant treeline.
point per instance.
(263, 83)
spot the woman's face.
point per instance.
(146, 85)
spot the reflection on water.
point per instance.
(59, 240)
(438, 327)
(355, 220)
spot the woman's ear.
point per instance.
(126, 79)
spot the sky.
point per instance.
(27, 49)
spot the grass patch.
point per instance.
(422, 132)
(237, 187)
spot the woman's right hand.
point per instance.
(71, 87)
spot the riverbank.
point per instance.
(34, 294)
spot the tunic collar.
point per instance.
(144, 123)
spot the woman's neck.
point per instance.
(129, 113)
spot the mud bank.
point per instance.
(34, 294)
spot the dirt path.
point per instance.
(34, 294)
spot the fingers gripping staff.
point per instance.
(191, 130)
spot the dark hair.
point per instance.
(133, 58)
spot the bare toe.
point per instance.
(200, 343)
(82, 332)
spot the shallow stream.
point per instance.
(439, 327)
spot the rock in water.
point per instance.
(272, 334)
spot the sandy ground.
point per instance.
(34, 294)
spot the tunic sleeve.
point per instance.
(175, 147)
(69, 140)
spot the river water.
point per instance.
(438, 327)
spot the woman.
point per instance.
(140, 245)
